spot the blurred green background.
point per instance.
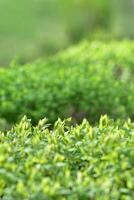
(31, 29)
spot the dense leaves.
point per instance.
(85, 81)
(67, 162)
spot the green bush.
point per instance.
(67, 162)
(88, 80)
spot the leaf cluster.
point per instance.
(67, 162)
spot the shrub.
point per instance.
(85, 81)
(67, 162)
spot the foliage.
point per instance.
(85, 81)
(67, 162)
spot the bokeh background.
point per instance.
(31, 29)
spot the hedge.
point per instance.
(67, 162)
(87, 80)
